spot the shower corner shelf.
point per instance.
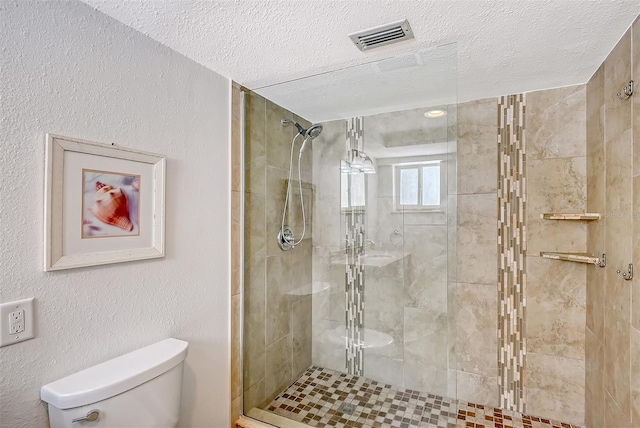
(571, 257)
(571, 216)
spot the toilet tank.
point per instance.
(138, 389)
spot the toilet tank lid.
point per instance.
(115, 376)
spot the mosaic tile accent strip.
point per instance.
(354, 275)
(354, 293)
(512, 250)
(355, 135)
(326, 398)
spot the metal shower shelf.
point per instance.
(570, 216)
(575, 257)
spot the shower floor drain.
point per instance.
(347, 408)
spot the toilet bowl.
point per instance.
(138, 389)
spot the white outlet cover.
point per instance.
(16, 321)
(29, 329)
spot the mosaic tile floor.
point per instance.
(326, 398)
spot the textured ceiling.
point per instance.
(503, 46)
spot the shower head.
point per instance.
(311, 133)
(314, 131)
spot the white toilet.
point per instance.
(139, 389)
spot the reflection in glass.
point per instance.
(431, 185)
(409, 186)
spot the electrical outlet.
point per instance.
(16, 322)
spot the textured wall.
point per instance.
(69, 69)
(613, 309)
(277, 323)
(194, 28)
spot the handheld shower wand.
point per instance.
(286, 240)
(309, 134)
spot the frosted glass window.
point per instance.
(431, 185)
(344, 190)
(352, 190)
(418, 186)
(357, 190)
(409, 186)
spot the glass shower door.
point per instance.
(364, 306)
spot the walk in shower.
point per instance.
(349, 248)
(424, 262)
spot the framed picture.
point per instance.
(103, 204)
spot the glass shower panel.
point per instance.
(430, 185)
(369, 293)
(409, 182)
(408, 277)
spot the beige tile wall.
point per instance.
(556, 174)
(618, 225)
(594, 344)
(613, 139)
(556, 290)
(477, 287)
(277, 325)
(635, 315)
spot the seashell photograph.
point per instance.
(110, 204)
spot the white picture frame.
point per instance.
(127, 210)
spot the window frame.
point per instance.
(396, 170)
(346, 190)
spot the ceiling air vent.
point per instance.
(383, 35)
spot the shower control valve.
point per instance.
(285, 238)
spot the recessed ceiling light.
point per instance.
(435, 113)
